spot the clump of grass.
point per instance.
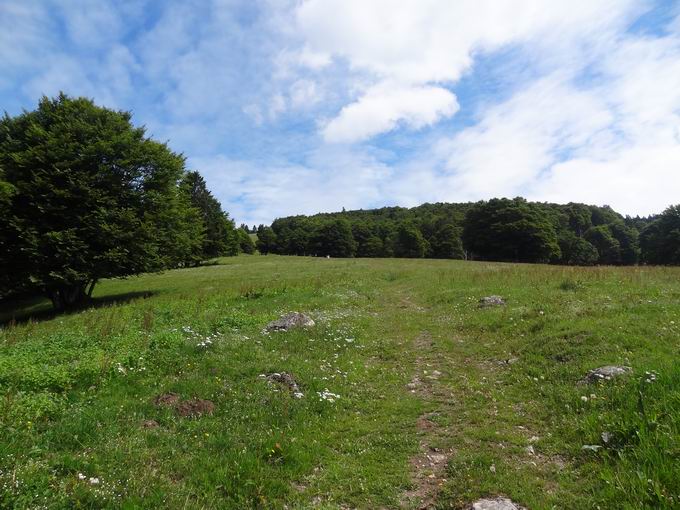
(571, 284)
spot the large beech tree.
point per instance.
(86, 195)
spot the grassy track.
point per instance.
(439, 401)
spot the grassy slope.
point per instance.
(76, 388)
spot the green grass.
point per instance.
(75, 389)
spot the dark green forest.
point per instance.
(510, 230)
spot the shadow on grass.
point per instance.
(39, 308)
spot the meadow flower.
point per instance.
(327, 395)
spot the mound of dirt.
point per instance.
(195, 407)
(166, 400)
(290, 321)
(186, 408)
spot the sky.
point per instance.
(304, 106)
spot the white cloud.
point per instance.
(419, 42)
(277, 105)
(385, 105)
(518, 139)
(638, 180)
(304, 94)
(92, 23)
(23, 26)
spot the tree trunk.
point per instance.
(69, 296)
(89, 291)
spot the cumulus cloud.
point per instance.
(385, 105)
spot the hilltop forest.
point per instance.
(511, 230)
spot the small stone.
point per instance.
(290, 321)
(495, 504)
(489, 301)
(606, 437)
(530, 450)
(150, 424)
(605, 373)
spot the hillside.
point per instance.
(162, 393)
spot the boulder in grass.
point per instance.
(284, 379)
(495, 504)
(290, 321)
(606, 373)
(490, 301)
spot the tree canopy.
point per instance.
(660, 240)
(221, 238)
(510, 230)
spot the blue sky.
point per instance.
(291, 107)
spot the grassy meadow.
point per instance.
(413, 394)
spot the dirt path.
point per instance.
(429, 465)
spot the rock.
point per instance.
(489, 301)
(286, 380)
(150, 424)
(434, 375)
(195, 407)
(290, 321)
(495, 504)
(605, 373)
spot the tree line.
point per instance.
(510, 230)
(85, 195)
